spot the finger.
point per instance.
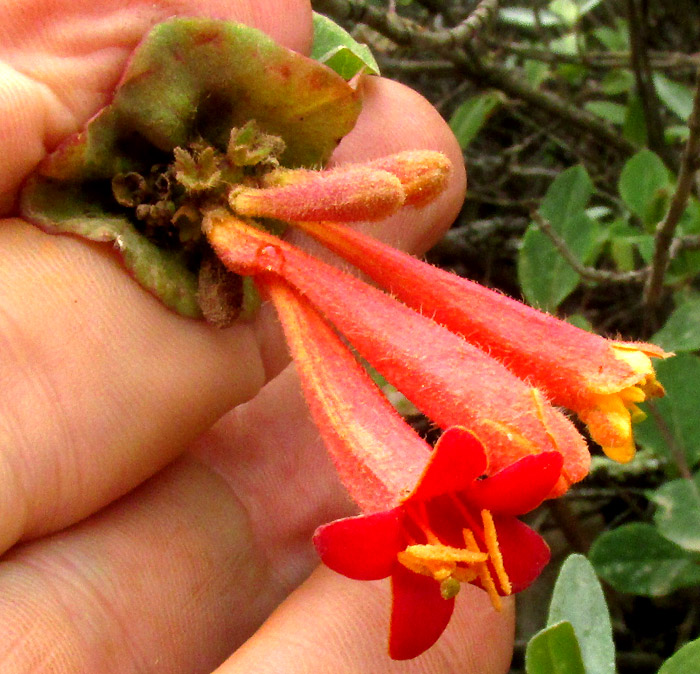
(271, 456)
(166, 579)
(333, 624)
(103, 386)
(60, 60)
(179, 574)
(183, 569)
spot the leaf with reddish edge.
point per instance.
(457, 460)
(419, 614)
(524, 551)
(364, 547)
(520, 487)
(189, 78)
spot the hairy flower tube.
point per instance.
(431, 521)
(602, 380)
(451, 381)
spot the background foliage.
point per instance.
(580, 125)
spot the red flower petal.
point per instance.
(364, 547)
(419, 614)
(457, 460)
(520, 487)
(524, 551)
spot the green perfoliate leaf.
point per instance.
(637, 559)
(578, 598)
(189, 80)
(677, 515)
(545, 276)
(554, 650)
(335, 47)
(683, 661)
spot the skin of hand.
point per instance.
(160, 480)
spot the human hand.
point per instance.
(140, 534)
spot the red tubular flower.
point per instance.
(444, 533)
(452, 382)
(430, 523)
(600, 379)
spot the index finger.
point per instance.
(60, 60)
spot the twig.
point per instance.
(567, 522)
(690, 162)
(509, 80)
(667, 434)
(406, 32)
(645, 84)
(585, 272)
(597, 59)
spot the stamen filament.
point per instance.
(483, 571)
(491, 539)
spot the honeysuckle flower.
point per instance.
(451, 381)
(431, 521)
(602, 380)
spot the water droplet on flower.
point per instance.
(270, 258)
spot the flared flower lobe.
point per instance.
(454, 527)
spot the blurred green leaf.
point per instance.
(578, 598)
(644, 186)
(635, 128)
(613, 112)
(522, 16)
(336, 48)
(536, 72)
(586, 6)
(471, 115)
(683, 661)
(617, 82)
(677, 97)
(545, 277)
(676, 133)
(580, 321)
(636, 559)
(614, 39)
(681, 331)
(678, 512)
(566, 10)
(675, 417)
(554, 650)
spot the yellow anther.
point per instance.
(444, 553)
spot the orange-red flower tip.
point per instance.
(424, 174)
(344, 194)
(611, 412)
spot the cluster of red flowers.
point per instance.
(487, 369)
